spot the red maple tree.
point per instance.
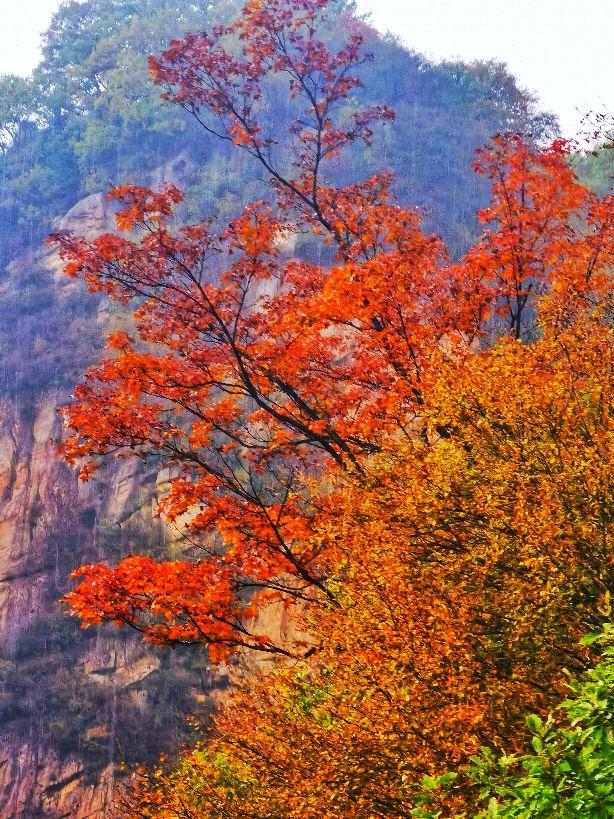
(251, 372)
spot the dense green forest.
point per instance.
(89, 117)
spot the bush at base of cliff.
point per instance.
(571, 772)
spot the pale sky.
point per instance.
(561, 49)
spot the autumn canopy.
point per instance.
(407, 453)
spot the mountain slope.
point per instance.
(73, 704)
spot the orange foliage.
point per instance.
(464, 571)
(412, 449)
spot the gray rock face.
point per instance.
(72, 703)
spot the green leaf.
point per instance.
(534, 724)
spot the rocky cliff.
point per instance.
(72, 703)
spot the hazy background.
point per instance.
(561, 49)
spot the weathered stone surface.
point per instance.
(49, 523)
(34, 782)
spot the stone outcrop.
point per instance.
(34, 782)
(72, 704)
